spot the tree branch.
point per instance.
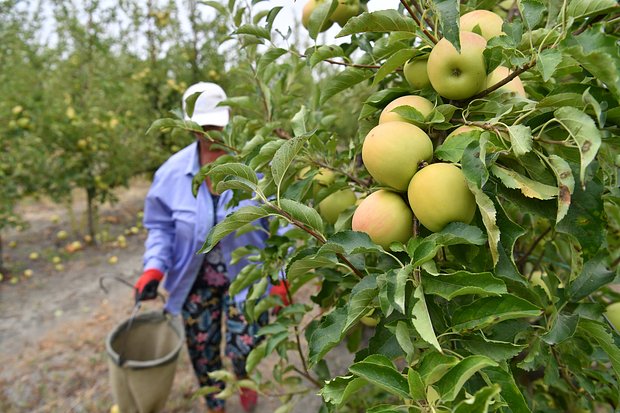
(502, 82)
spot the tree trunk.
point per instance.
(3, 270)
(91, 213)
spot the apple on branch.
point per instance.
(457, 75)
(385, 217)
(501, 73)
(392, 152)
(415, 73)
(484, 22)
(422, 105)
(438, 194)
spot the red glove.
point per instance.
(280, 291)
(146, 286)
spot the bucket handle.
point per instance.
(122, 281)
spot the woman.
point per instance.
(178, 224)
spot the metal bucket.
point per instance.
(142, 357)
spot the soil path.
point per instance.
(53, 323)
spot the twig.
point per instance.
(565, 375)
(428, 21)
(430, 36)
(524, 257)
(318, 237)
(307, 376)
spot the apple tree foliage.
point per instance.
(503, 315)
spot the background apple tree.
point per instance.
(505, 313)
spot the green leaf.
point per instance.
(579, 9)
(246, 277)
(417, 390)
(303, 213)
(325, 52)
(521, 139)
(344, 80)
(252, 30)
(234, 169)
(395, 61)
(231, 223)
(299, 122)
(284, 157)
(561, 99)
(460, 283)
(492, 310)
(255, 357)
(268, 58)
(494, 349)
(527, 186)
(301, 264)
(326, 335)
(585, 218)
(594, 275)
(422, 320)
(480, 402)
(547, 61)
(532, 12)
(403, 336)
(379, 21)
(563, 328)
(458, 233)
(216, 5)
(566, 184)
(319, 18)
(488, 213)
(340, 389)
(473, 166)
(402, 275)
(434, 365)
(362, 295)
(510, 391)
(448, 12)
(452, 382)
(596, 332)
(349, 243)
(598, 53)
(583, 131)
(380, 371)
(510, 232)
(452, 149)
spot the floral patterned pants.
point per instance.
(207, 302)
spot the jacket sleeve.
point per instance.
(160, 225)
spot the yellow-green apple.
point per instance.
(415, 73)
(462, 129)
(307, 12)
(457, 75)
(501, 73)
(422, 105)
(345, 10)
(613, 314)
(385, 217)
(392, 151)
(488, 23)
(334, 204)
(438, 194)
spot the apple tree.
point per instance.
(484, 240)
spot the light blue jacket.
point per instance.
(178, 224)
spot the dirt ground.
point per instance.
(53, 323)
